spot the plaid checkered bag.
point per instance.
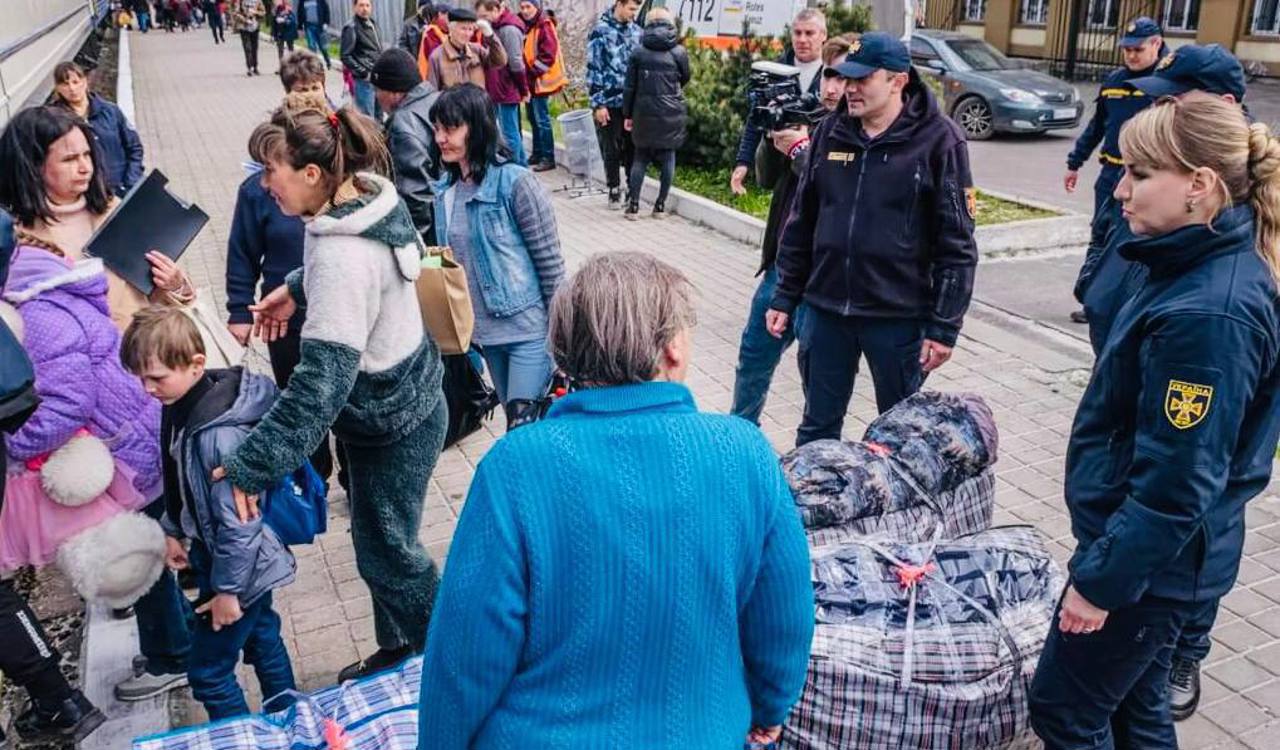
(922, 471)
(376, 712)
(926, 646)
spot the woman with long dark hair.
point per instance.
(498, 219)
(55, 186)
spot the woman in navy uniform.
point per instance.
(1178, 427)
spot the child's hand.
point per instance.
(760, 737)
(225, 610)
(175, 555)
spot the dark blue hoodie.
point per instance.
(882, 227)
(1177, 429)
(264, 245)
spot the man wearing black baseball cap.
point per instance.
(1142, 47)
(880, 243)
(1114, 280)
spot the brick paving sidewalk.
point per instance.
(195, 109)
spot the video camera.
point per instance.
(777, 101)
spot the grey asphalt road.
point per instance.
(1032, 166)
(1036, 288)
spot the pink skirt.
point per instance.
(32, 526)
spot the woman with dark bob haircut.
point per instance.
(498, 219)
(54, 185)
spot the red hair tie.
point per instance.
(333, 120)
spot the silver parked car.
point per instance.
(985, 92)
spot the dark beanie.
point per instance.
(462, 15)
(395, 71)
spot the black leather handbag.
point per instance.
(470, 399)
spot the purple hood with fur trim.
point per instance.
(75, 350)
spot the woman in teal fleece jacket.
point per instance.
(628, 571)
(367, 368)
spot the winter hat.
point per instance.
(535, 3)
(461, 15)
(395, 71)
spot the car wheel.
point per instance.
(974, 117)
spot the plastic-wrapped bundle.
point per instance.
(926, 646)
(376, 712)
(923, 468)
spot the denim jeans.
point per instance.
(317, 42)
(544, 144)
(519, 370)
(165, 619)
(509, 123)
(144, 22)
(366, 102)
(830, 345)
(1193, 639)
(759, 352)
(215, 654)
(1108, 689)
(666, 161)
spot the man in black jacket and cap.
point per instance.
(401, 91)
(880, 243)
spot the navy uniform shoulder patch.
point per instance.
(1187, 404)
(1166, 61)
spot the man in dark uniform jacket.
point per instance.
(1142, 47)
(880, 242)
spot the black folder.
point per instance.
(149, 218)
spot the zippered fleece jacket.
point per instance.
(368, 369)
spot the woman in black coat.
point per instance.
(654, 108)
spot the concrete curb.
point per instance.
(995, 240)
(109, 645)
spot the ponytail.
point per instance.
(305, 130)
(1264, 193)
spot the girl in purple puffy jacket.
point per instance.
(92, 447)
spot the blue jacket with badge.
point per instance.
(883, 227)
(1115, 104)
(1177, 429)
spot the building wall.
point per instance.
(1224, 22)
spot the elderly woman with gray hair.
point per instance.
(628, 571)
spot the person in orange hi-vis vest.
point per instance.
(544, 65)
(433, 35)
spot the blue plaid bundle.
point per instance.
(377, 712)
(922, 471)
(929, 646)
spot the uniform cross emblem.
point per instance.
(1187, 404)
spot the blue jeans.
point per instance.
(519, 370)
(544, 144)
(509, 123)
(1109, 689)
(317, 42)
(759, 352)
(144, 22)
(366, 102)
(165, 619)
(215, 654)
(830, 345)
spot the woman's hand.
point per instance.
(627, 124)
(241, 332)
(165, 273)
(246, 504)
(271, 315)
(1078, 615)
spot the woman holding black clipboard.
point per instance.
(54, 187)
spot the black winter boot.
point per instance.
(71, 719)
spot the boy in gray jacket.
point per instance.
(206, 415)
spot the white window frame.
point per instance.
(1035, 12)
(1274, 29)
(970, 6)
(1188, 23)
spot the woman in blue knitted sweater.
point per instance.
(627, 572)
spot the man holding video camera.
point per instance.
(780, 160)
(808, 33)
(880, 243)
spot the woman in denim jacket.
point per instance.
(499, 222)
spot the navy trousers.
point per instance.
(830, 345)
(1109, 689)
